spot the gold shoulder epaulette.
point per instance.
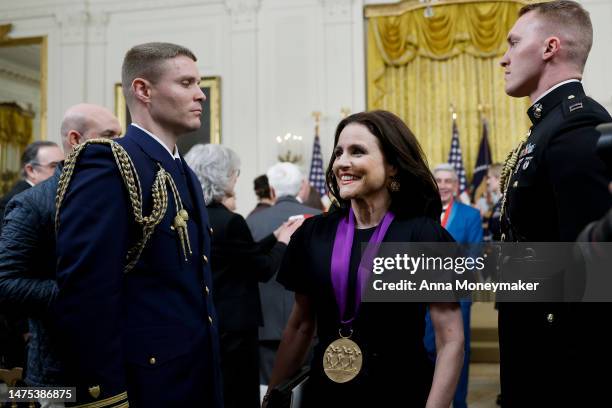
(132, 183)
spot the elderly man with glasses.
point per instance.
(38, 162)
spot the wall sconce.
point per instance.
(290, 148)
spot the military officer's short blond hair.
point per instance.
(569, 21)
(146, 61)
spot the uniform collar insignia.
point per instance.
(542, 107)
(537, 110)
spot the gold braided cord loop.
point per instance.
(132, 183)
(506, 174)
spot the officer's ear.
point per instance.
(552, 47)
(141, 89)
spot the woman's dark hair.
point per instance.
(418, 195)
(262, 187)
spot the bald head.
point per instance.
(87, 121)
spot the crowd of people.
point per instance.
(126, 273)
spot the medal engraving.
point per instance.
(342, 360)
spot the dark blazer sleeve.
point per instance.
(293, 271)
(262, 258)
(92, 243)
(20, 288)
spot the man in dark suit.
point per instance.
(285, 181)
(554, 185)
(134, 309)
(38, 162)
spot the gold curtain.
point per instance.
(15, 135)
(418, 66)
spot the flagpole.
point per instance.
(317, 174)
(317, 117)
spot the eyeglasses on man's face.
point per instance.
(51, 165)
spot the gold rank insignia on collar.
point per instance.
(537, 110)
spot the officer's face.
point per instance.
(360, 167)
(176, 98)
(447, 184)
(523, 61)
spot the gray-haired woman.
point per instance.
(238, 265)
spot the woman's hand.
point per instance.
(284, 232)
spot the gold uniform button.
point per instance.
(152, 361)
(571, 97)
(210, 319)
(550, 318)
(211, 230)
(94, 391)
(515, 185)
(205, 258)
(206, 289)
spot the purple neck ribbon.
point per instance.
(341, 258)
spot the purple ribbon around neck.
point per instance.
(341, 258)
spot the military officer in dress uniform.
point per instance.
(134, 310)
(554, 184)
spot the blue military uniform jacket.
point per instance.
(148, 336)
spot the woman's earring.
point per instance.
(394, 185)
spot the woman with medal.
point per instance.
(369, 354)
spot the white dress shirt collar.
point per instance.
(174, 155)
(553, 88)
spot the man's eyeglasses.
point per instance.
(52, 165)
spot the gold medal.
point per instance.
(342, 360)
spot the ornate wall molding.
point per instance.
(243, 13)
(49, 8)
(73, 26)
(337, 11)
(98, 23)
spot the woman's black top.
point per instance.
(395, 364)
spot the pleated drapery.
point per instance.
(418, 65)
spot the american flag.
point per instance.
(317, 176)
(455, 158)
(484, 159)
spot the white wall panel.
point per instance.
(279, 60)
